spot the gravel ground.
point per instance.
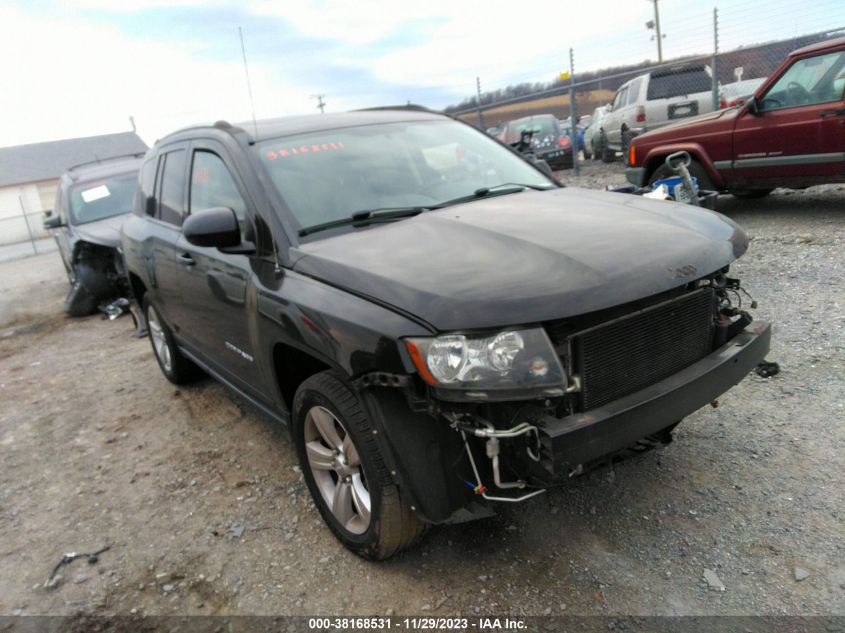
(205, 511)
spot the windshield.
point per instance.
(329, 175)
(99, 199)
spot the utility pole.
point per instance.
(656, 26)
(320, 103)
(713, 66)
(478, 102)
(573, 115)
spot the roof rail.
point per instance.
(408, 106)
(98, 160)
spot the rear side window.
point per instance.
(634, 90)
(678, 83)
(212, 185)
(172, 187)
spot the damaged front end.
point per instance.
(530, 407)
(97, 278)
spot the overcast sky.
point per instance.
(82, 67)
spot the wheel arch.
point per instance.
(292, 366)
(655, 157)
(137, 287)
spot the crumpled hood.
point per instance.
(527, 257)
(105, 232)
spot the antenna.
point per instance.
(320, 103)
(248, 82)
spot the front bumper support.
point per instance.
(583, 437)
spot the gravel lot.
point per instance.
(205, 511)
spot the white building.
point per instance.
(29, 175)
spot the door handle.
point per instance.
(187, 260)
(835, 112)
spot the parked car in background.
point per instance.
(791, 133)
(592, 147)
(92, 201)
(549, 141)
(580, 126)
(651, 101)
(738, 92)
(442, 326)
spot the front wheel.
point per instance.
(345, 472)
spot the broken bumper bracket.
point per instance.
(583, 437)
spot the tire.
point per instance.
(751, 194)
(79, 301)
(696, 170)
(626, 144)
(342, 464)
(87, 287)
(607, 154)
(176, 368)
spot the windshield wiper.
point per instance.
(507, 187)
(365, 217)
(502, 189)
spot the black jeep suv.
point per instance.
(442, 326)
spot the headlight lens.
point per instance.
(512, 359)
(446, 356)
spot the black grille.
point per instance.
(632, 352)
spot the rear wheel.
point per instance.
(175, 367)
(750, 194)
(345, 472)
(626, 144)
(607, 154)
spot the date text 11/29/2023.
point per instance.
(417, 624)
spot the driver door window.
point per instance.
(621, 97)
(807, 82)
(212, 185)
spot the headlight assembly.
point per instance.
(509, 360)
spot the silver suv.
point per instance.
(651, 101)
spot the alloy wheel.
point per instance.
(160, 346)
(336, 467)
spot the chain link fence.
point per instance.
(23, 235)
(688, 60)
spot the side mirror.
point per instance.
(53, 222)
(752, 107)
(216, 227)
(609, 107)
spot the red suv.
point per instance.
(790, 134)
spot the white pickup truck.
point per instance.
(651, 101)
